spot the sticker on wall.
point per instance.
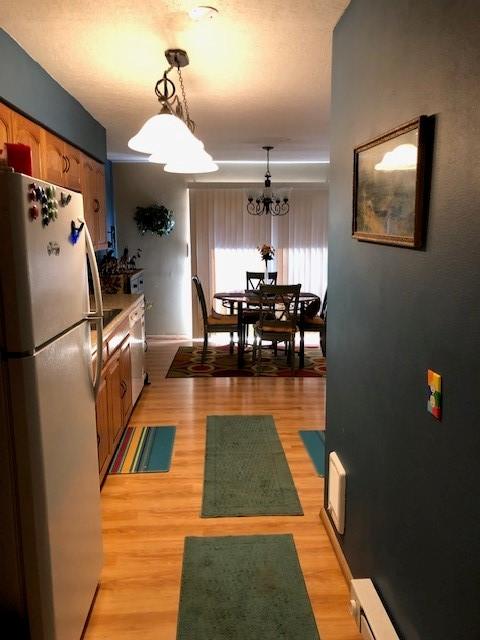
(75, 231)
(434, 389)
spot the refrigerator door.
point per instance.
(43, 275)
(53, 419)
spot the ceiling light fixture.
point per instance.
(202, 12)
(169, 135)
(267, 202)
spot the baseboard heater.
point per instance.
(369, 612)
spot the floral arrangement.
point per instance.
(267, 252)
(155, 218)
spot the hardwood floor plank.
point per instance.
(147, 516)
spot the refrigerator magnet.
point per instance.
(75, 232)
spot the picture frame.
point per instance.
(390, 186)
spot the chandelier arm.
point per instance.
(189, 121)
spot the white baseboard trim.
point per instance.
(342, 561)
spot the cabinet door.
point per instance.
(115, 400)
(88, 179)
(6, 134)
(54, 160)
(73, 174)
(103, 439)
(31, 134)
(126, 379)
(99, 206)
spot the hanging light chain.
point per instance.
(190, 122)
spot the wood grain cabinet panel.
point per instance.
(99, 207)
(88, 180)
(103, 433)
(115, 399)
(73, 160)
(54, 160)
(126, 380)
(6, 125)
(29, 133)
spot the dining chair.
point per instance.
(251, 314)
(256, 278)
(214, 322)
(310, 321)
(283, 326)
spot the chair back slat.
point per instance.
(201, 297)
(285, 299)
(257, 278)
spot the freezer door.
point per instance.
(43, 275)
(53, 417)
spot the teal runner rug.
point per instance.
(144, 450)
(246, 472)
(244, 588)
(314, 442)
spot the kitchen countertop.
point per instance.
(124, 301)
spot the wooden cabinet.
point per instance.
(6, 125)
(74, 162)
(93, 189)
(126, 379)
(114, 391)
(29, 133)
(54, 163)
(57, 161)
(103, 427)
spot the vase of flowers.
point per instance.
(266, 252)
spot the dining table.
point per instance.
(238, 300)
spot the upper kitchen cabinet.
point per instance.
(6, 133)
(73, 163)
(54, 160)
(93, 189)
(29, 133)
(62, 163)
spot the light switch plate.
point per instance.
(434, 389)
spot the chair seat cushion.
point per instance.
(312, 324)
(219, 319)
(275, 326)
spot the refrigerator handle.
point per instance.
(98, 315)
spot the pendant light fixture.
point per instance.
(267, 202)
(169, 135)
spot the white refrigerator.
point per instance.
(50, 527)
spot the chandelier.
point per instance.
(268, 202)
(169, 136)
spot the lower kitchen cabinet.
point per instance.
(114, 403)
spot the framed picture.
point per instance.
(390, 186)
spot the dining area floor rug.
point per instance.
(314, 442)
(187, 363)
(242, 588)
(246, 471)
(144, 450)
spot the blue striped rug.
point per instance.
(314, 442)
(144, 450)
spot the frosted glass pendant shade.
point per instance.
(194, 163)
(161, 134)
(185, 148)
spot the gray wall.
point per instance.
(27, 87)
(413, 500)
(165, 259)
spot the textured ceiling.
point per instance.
(259, 72)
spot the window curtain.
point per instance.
(224, 240)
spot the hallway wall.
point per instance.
(412, 515)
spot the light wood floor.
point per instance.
(147, 516)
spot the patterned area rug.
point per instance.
(187, 363)
(246, 471)
(144, 450)
(244, 588)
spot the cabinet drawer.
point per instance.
(118, 336)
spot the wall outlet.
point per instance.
(434, 390)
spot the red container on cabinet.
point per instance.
(19, 156)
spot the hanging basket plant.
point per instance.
(155, 218)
